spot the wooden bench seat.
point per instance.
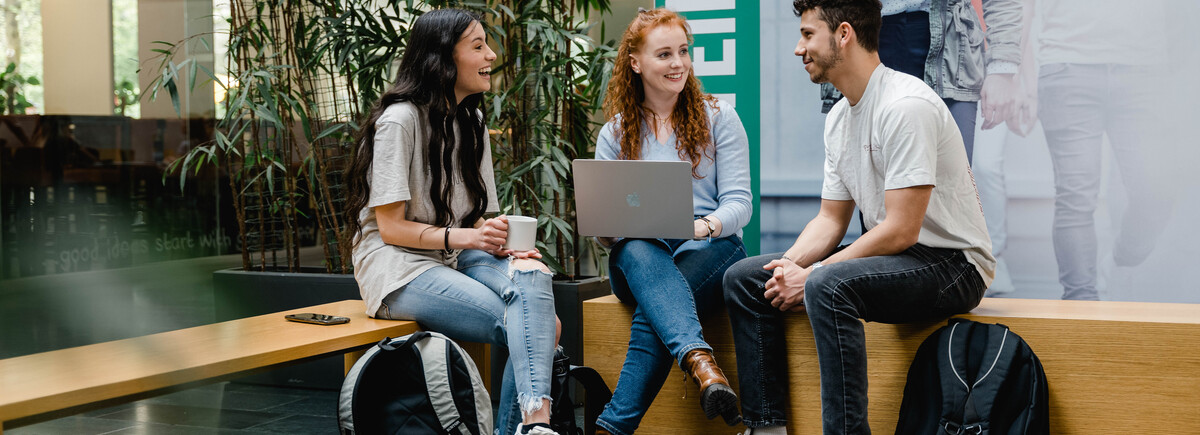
(48, 385)
(1112, 367)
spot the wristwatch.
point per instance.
(709, 225)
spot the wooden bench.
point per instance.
(49, 385)
(1112, 367)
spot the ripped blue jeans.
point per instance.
(485, 301)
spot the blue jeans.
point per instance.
(918, 284)
(672, 283)
(487, 301)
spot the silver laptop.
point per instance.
(634, 198)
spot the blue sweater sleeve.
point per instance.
(607, 147)
(734, 198)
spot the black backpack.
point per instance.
(562, 410)
(977, 379)
(422, 383)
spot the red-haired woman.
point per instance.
(658, 111)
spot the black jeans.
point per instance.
(919, 284)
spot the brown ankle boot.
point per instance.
(716, 397)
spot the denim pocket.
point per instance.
(964, 291)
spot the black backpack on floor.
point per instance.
(562, 410)
(974, 378)
(422, 383)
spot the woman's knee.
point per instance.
(529, 264)
(631, 252)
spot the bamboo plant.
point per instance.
(304, 73)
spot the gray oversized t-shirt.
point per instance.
(400, 172)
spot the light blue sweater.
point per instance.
(723, 189)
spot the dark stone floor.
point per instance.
(223, 408)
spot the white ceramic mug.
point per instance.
(522, 233)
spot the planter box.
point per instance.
(238, 294)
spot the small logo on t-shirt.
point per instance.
(871, 147)
(633, 200)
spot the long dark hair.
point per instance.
(426, 78)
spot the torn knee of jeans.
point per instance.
(526, 266)
(530, 404)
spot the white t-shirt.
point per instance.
(400, 172)
(1102, 31)
(900, 134)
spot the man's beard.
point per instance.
(824, 65)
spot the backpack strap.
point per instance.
(597, 392)
(435, 359)
(1002, 348)
(968, 398)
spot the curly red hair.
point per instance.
(626, 93)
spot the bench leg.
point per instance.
(349, 357)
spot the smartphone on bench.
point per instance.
(319, 319)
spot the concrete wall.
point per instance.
(173, 21)
(77, 48)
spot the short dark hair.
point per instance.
(863, 15)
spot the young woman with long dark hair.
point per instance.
(419, 186)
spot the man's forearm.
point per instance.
(817, 240)
(884, 239)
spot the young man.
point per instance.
(893, 149)
(940, 42)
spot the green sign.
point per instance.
(725, 58)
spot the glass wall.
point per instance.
(87, 141)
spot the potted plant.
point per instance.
(301, 74)
(541, 114)
(281, 142)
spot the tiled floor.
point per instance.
(223, 408)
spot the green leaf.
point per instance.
(329, 130)
(170, 85)
(192, 76)
(265, 114)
